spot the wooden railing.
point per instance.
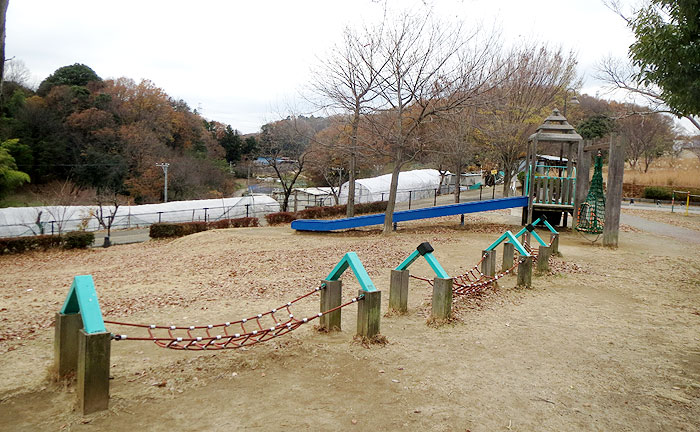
(554, 190)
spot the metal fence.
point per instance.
(125, 219)
(410, 196)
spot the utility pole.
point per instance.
(165, 166)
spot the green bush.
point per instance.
(657, 192)
(73, 240)
(78, 240)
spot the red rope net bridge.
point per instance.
(229, 335)
(474, 281)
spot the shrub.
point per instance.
(657, 192)
(280, 218)
(78, 240)
(324, 212)
(165, 230)
(193, 227)
(235, 223)
(373, 207)
(73, 240)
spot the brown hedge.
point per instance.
(324, 212)
(165, 230)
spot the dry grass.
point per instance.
(677, 172)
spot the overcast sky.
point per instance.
(239, 62)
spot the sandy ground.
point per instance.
(609, 340)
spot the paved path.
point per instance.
(682, 234)
(137, 235)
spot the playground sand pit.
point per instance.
(608, 340)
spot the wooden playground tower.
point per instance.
(551, 189)
(558, 189)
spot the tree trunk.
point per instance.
(391, 204)
(507, 178)
(458, 174)
(350, 209)
(285, 201)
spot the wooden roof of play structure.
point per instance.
(555, 129)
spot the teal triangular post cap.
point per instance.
(82, 299)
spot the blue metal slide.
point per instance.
(408, 215)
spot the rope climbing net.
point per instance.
(229, 335)
(591, 213)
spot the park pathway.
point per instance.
(659, 228)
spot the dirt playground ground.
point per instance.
(608, 341)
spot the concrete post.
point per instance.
(331, 297)
(65, 344)
(525, 272)
(488, 265)
(369, 314)
(508, 255)
(554, 244)
(442, 298)
(93, 371)
(543, 259)
(398, 291)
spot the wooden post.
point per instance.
(331, 296)
(65, 344)
(531, 193)
(543, 259)
(398, 291)
(613, 200)
(554, 243)
(93, 371)
(442, 298)
(525, 272)
(488, 265)
(369, 314)
(508, 255)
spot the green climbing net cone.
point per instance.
(591, 214)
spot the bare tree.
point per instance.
(63, 198)
(17, 72)
(622, 75)
(106, 211)
(285, 145)
(647, 137)
(538, 76)
(347, 81)
(456, 139)
(432, 68)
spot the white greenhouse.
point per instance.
(415, 184)
(20, 221)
